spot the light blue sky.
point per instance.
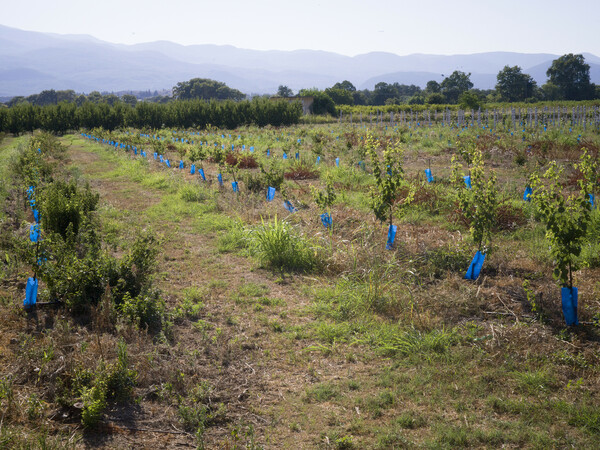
(349, 27)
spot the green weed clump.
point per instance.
(95, 389)
(94, 404)
(277, 246)
(196, 412)
(147, 311)
(321, 393)
(449, 258)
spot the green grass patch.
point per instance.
(322, 392)
(278, 246)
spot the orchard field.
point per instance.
(303, 286)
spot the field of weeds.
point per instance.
(181, 301)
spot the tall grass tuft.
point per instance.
(277, 246)
(413, 341)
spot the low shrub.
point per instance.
(76, 271)
(254, 182)
(242, 161)
(64, 205)
(301, 171)
(133, 274)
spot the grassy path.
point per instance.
(260, 352)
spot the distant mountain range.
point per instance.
(31, 62)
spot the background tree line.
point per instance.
(65, 116)
(568, 79)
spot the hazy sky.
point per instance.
(349, 27)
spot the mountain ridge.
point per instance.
(85, 63)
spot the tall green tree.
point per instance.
(205, 89)
(571, 75)
(344, 85)
(340, 96)
(454, 85)
(435, 99)
(383, 92)
(284, 91)
(94, 97)
(129, 99)
(469, 100)
(513, 85)
(432, 87)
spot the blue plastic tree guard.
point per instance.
(270, 193)
(268, 153)
(391, 236)
(297, 155)
(467, 179)
(475, 267)
(30, 292)
(180, 164)
(201, 172)
(285, 156)
(569, 305)
(160, 158)
(220, 178)
(288, 205)
(337, 162)
(326, 220)
(318, 160)
(34, 233)
(527, 194)
(428, 175)
(192, 169)
(234, 185)
(592, 199)
(36, 215)
(155, 155)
